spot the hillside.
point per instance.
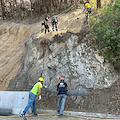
(28, 53)
(12, 47)
(13, 36)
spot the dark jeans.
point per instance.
(54, 24)
(46, 28)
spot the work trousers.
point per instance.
(60, 106)
(46, 28)
(31, 102)
(54, 24)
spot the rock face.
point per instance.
(69, 57)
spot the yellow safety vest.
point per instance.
(88, 5)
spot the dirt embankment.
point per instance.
(12, 47)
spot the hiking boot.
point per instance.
(61, 115)
(23, 116)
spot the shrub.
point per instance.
(107, 30)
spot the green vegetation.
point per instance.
(107, 31)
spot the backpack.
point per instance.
(89, 10)
(54, 19)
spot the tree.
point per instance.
(76, 4)
(3, 8)
(98, 3)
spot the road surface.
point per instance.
(45, 117)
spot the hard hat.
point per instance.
(62, 78)
(48, 16)
(41, 79)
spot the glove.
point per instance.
(45, 86)
(39, 98)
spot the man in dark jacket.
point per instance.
(45, 23)
(62, 89)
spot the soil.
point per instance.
(105, 101)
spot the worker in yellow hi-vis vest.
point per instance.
(87, 7)
(36, 91)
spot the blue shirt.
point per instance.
(62, 88)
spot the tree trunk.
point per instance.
(3, 9)
(60, 4)
(65, 1)
(11, 9)
(81, 1)
(76, 4)
(98, 3)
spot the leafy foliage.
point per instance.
(107, 30)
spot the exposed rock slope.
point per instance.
(68, 53)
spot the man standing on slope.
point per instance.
(62, 94)
(87, 7)
(36, 91)
(46, 23)
(54, 22)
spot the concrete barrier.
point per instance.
(14, 102)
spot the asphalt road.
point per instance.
(44, 117)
